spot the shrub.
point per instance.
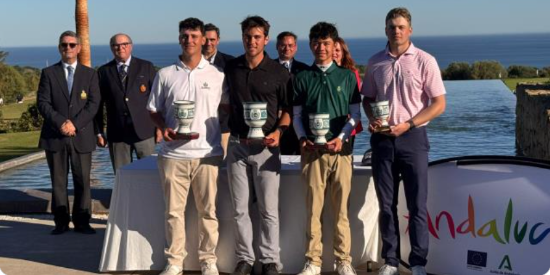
(458, 71)
(30, 120)
(488, 70)
(11, 83)
(544, 72)
(518, 71)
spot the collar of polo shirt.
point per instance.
(181, 66)
(410, 51)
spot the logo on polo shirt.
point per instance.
(205, 86)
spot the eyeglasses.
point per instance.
(121, 45)
(71, 45)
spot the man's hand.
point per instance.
(158, 135)
(101, 141)
(398, 129)
(169, 134)
(304, 143)
(272, 140)
(373, 124)
(334, 145)
(68, 129)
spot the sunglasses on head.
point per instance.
(71, 45)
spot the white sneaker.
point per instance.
(172, 270)
(388, 270)
(310, 269)
(345, 269)
(418, 270)
(209, 268)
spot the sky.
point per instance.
(40, 22)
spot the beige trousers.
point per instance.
(321, 170)
(176, 178)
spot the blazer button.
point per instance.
(70, 106)
(126, 99)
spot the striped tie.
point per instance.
(123, 74)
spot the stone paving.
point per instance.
(27, 248)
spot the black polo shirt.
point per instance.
(268, 82)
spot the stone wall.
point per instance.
(533, 120)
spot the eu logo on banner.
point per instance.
(477, 258)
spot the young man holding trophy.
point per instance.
(186, 96)
(258, 89)
(326, 106)
(402, 85)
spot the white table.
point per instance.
(134, 238)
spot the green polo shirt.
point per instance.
(329, 92)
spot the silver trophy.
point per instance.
(255, 116)
(381, 110)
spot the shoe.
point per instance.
(84, 229)
(209, 268)
(60, 229)
(345, 268)
(270, 269)
(418, 270)
(388, 270)
(171, 269)
(243, 268)
(310, 269)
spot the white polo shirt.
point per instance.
(205, 86)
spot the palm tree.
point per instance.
(83, 31)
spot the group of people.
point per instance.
(139, 113)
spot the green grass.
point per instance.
(14, 110)
(511, 83)
(14, 145)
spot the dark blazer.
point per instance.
(221, 59)
(141, 75)
(297, 66)
(289, 142)
(56, 106)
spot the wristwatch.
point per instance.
(411, 124)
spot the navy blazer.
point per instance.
(56, 106)
(141, 74)
(297, 66)
(221, 59)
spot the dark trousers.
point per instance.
(122, 152)
(289, 143)
(393, 159)
(80, 164)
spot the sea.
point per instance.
(509, 49)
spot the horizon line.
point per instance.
(349, 38)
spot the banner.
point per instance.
(486, 215)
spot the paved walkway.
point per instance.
(27, 248)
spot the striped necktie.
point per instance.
(123, 75)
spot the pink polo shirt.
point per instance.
(408, 82)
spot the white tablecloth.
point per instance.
(134, 238)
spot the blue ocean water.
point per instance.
(517, 49)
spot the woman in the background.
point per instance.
(342, 57)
